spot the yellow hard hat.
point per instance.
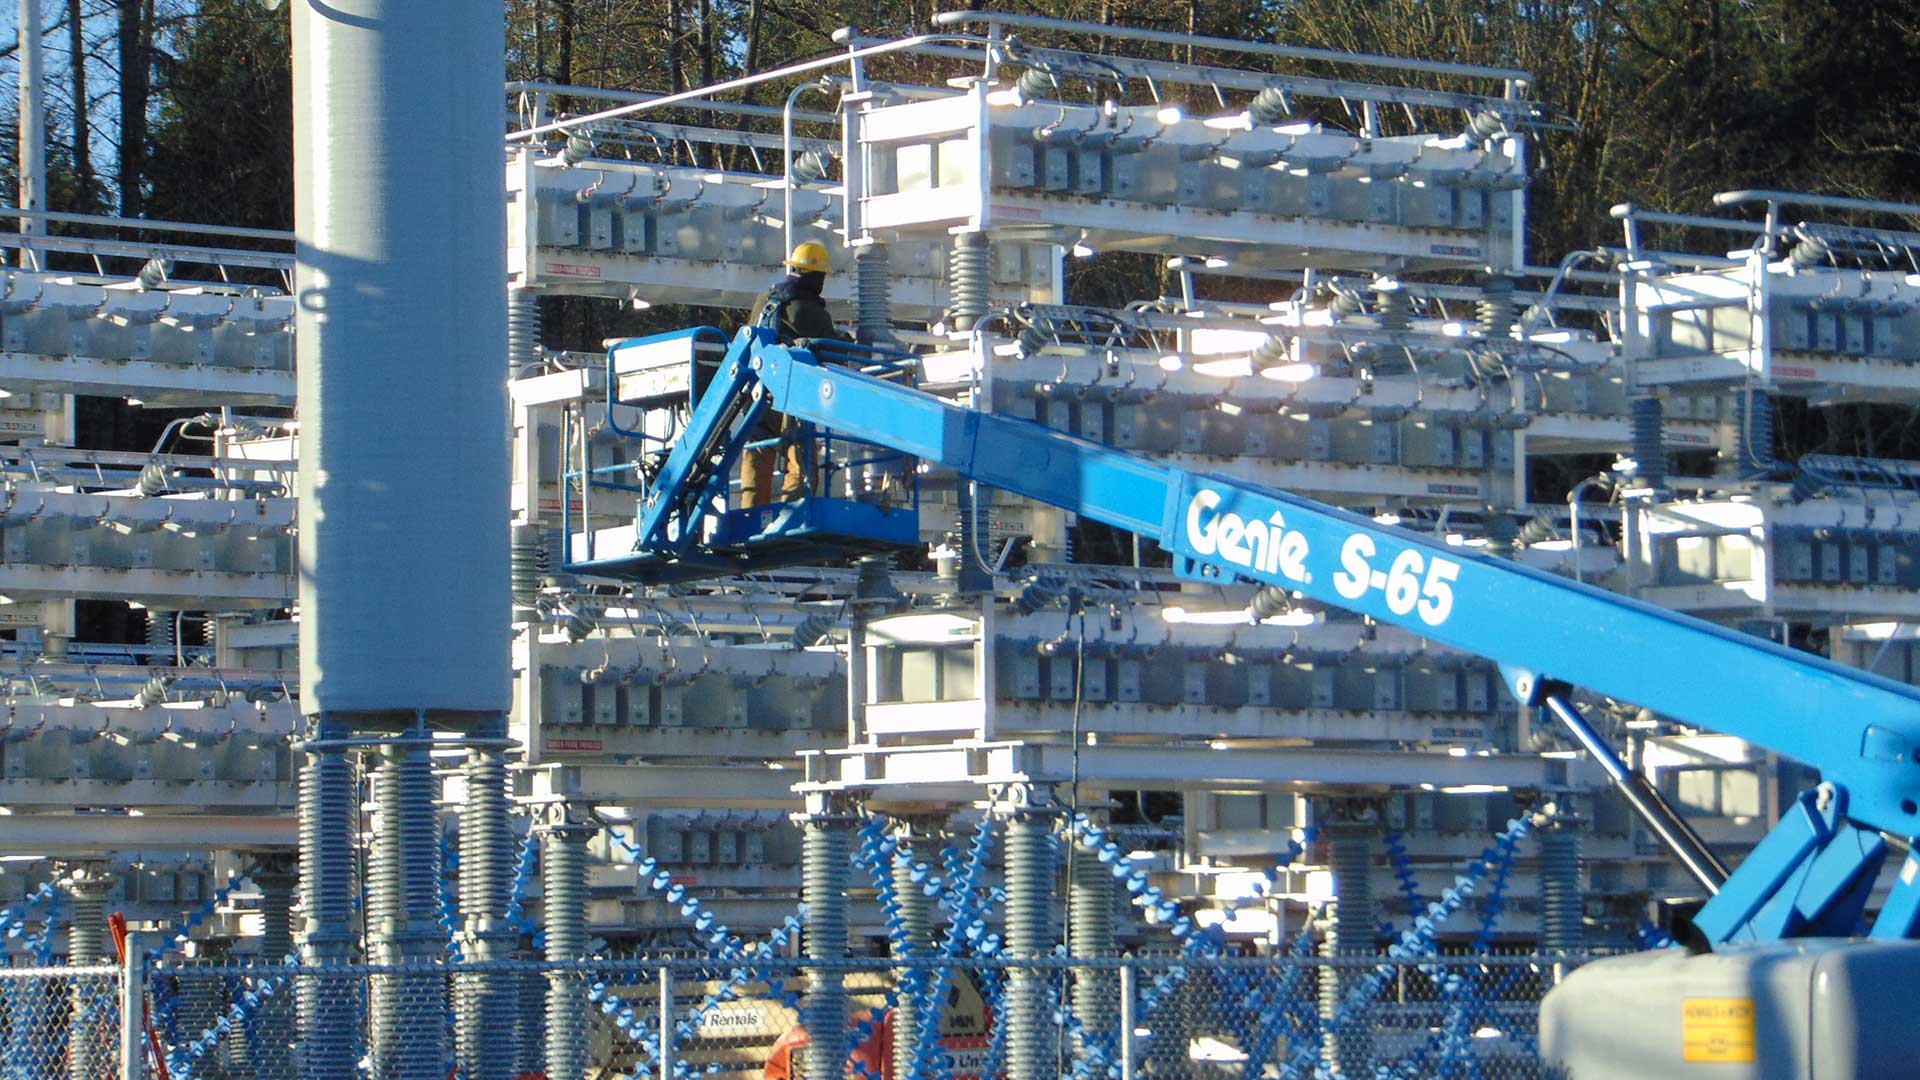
(810, 257)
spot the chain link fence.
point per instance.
(60, 1022)
(1473, 1018)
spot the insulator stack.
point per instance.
(525, 343)
(1393, 308)
(1484, 127)
(87, 944)
(825, 843)
(406, 1028)
(1274, 350)
(1649, 443)
(1270, 107)
(969, 280)
(270, 1050)
(327, 829)
(1502, 533)
(1350, 850)
(483, 1012)
(563, 902)
(1037, 84)
(872, 295)
(1496, 306)
(162, 629)
(1561, 904)
(1029, 868)
(530, 563)
(1753, 434)
(915, 942)
(1090, 897)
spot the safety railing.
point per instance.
(1290, 1014)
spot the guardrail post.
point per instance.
(666, 1023)
(133, 1005)
(1125, 1042)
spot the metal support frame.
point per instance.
(132, 1042)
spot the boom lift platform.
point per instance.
(1811, 876)
(686, 529)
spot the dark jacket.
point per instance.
(794, 310)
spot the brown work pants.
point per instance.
(757, 466)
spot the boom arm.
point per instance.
(1811, 875)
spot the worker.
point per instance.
(794, 311)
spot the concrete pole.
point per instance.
(33, 122)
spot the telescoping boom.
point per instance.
(1809, 877)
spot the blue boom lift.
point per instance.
(1809, 878)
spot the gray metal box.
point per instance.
(1817, 1009)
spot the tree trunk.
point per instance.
(565, 72)
(539, 39)
(82, 128)
(707, 62)
(676, 70)
(136, 80)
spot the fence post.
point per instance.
(666, 1023)
(1126, 1021)
(133, 1006)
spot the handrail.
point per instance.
(154, 224)
(1821, 202)
(701, 93)
(738, 108)
(1260, 48)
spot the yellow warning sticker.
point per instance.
(1717, 1029)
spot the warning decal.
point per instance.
(1717, 1030)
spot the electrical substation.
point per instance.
(1382, 652)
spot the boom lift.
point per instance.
(1809, 878)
